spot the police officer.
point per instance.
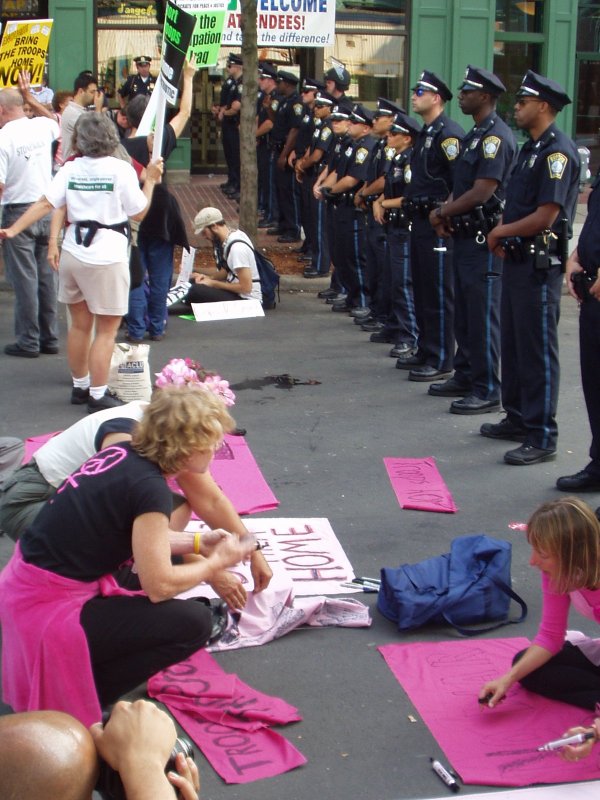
(474, 207)
(350, 175)
(400, 325)
(378, 166)
(267, 82)
(140, 83)
(432, 166)
(288, 117)
(540, 204)
(337, 82)
(311, 166)
(216, 110)
(229, 117)
(310, 87)
(583, 280)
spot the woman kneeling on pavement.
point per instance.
(72, 639)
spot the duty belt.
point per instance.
(476, 224)
(397, 218)
(420, 206)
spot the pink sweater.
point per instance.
(555, 612)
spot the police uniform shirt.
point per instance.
(235, 93)
(588, 247)
(380, 161)
(288, 115)
(547, 171)
(134, 86)
(323, 139)
(436, 151)
(355, 157)
(225, 90)
(305, 132)
(340, 145)
(488, 152)
(398, 176)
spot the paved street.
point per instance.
(320, 448)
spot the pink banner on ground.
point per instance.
(495, 747)
(418, 485)
(227, 719)
(233, 468)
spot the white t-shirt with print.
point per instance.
(26, 158)
(102, 189)
(239, 256)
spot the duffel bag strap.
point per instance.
(475, 631)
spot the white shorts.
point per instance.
(104, 287)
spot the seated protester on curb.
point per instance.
(72, 639)
(28, 488)
(565, 546)
(99, 194)
(236, 278)
(49, 754)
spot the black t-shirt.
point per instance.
(84, 531)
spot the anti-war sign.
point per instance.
(206, 38)
(177, 34)
(24, 46)
(291, 23)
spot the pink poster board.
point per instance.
(418, 485)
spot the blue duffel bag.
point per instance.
(470, 585)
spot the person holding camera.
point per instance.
(51, 754)
(583, 282)
(72, 639)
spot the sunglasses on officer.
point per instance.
(419, 91)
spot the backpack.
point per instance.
(268, 275)
(467, 586)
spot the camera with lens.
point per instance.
(109, 785)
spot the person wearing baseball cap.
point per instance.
(473, 208)
(532, 236)
(141, 83)
(436, 150)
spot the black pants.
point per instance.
(589, 347)
(569, 677)
(231, 149)
(130, 639)
(352, 263)
(375, 248)
(288, 199)
(199, 293)
(402, 320)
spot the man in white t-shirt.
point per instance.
(25, 174)
(85, 92)
(237, 278)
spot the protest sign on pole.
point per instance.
(24, 46)
(206, 39)
(287, 23)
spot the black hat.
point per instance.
(385, 108)
(312, 85)
(341, 111)
(267, 70)
(288, 77)
(534, 85)
(234, 58)
(404, 124)
(340, 75)
(141, 60)
(325, 99)
(481, 80)
(361, 114)
(431, 83)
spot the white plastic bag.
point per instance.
(129, 375)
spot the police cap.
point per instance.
(341, 111)
(404, 124)
(385, 108)
(267, 70)
(312, 85)
(325, 99)
(361, 115)
(288, 77)
(142, 60)
(481, 80)
(430, 82)
(234, 59)
(534, 85)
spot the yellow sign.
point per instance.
(24, 46)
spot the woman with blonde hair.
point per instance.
(565, 546)
(73, 640)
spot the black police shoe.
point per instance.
(273, 232)
(582, 481)
(287, 238)
(401, 350)
(410, 362)
(471, 404)
(312, 273)
(427, 373)
(504, 429)
(381, 336)
(264, 223)
(372, 326)
(327, 294)
(361, 312)
(449, 388)
(528, 454)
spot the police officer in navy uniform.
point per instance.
(400, 326)
(337, 82)
(140, 83)
(229, 116)
(378, 166)
(432, 166)
(540, 204)
(583, 280)
(288, 116)
(267, 81)
(474, 207)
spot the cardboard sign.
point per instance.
(206, 38)
(24, 47)
(227, 309)
(177, 32)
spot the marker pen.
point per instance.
(444, 775)
(577, 738)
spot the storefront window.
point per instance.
(511, 62)
(519, 17)
(125, 30)
(23, 9)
